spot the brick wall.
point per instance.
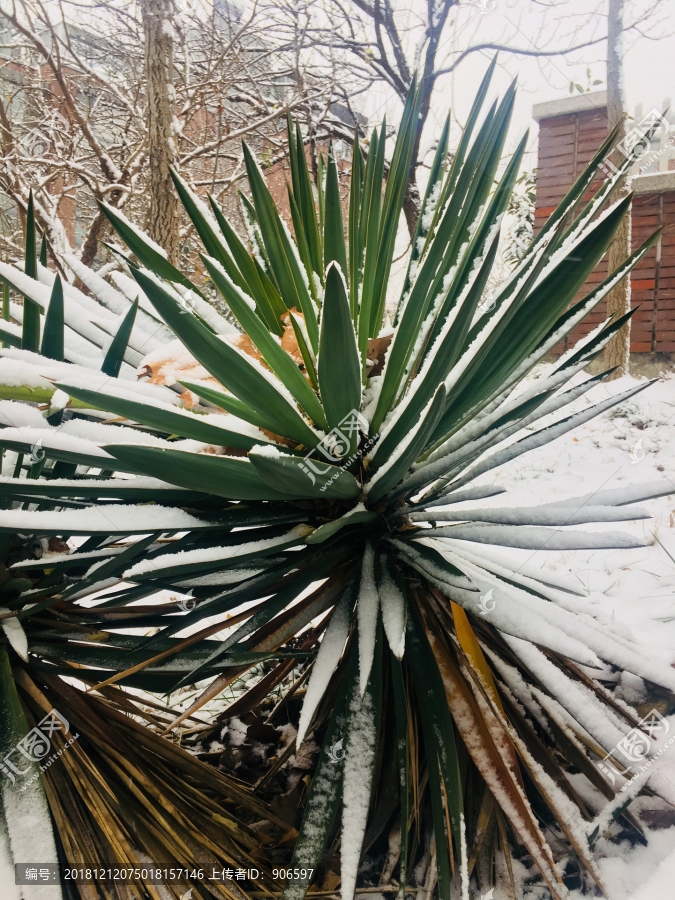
(570, 131)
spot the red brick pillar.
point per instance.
(570, 132)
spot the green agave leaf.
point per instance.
(392, 205)
(439, 735)
(288, 270)
(324, 796)
(525, 325)
(115, 355)
(52, 337)
(355, 245)
(264, 584)
(334, 249)
(496, 208)
(301, 242)
(269, 304)
(402, 750)
(390, 475)
(440, 360)
(118, 660)
(364, 716)
(168, 567)
(30, 339)
(108, 488)
(271, 609)
(339, 367)
(76, 458)
(357, 516)
(304, 198)
(5, 301)
(301, 200)
(369, 232)
(455, 456)
(200, 218)
(599, 341)
(30, 258)
(11, 627)
(320, 189)
(303, 477)
(575, 194)
(229, 366)
(438, 259)
(305, 351)
(148, 254)
(537, 439)
(460, 154)
(577, 311)
(10, 340)
(158, 684)
(227, 402)
(274, 355)
(114, 566)
(29, 394)
(180, 422)
(427, 208)
(255, 236)
(235, 479)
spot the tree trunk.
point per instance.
(163, 218)
(617, 352)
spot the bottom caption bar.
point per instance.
(51, 873)
(152, 873)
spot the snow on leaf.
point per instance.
(212, 554)
(328, 657)
(15, 634)
(393, 611)
(358, 778)
(368, 603)
(98, 520)
(535, 538)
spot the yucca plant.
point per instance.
(317, 494)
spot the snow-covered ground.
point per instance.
(631, 444)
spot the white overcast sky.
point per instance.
(649, 64)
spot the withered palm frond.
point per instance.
(317, 494)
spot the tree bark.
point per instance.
(163, 217)
(617, 351)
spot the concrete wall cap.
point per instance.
(566, 105)
(655, 182)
